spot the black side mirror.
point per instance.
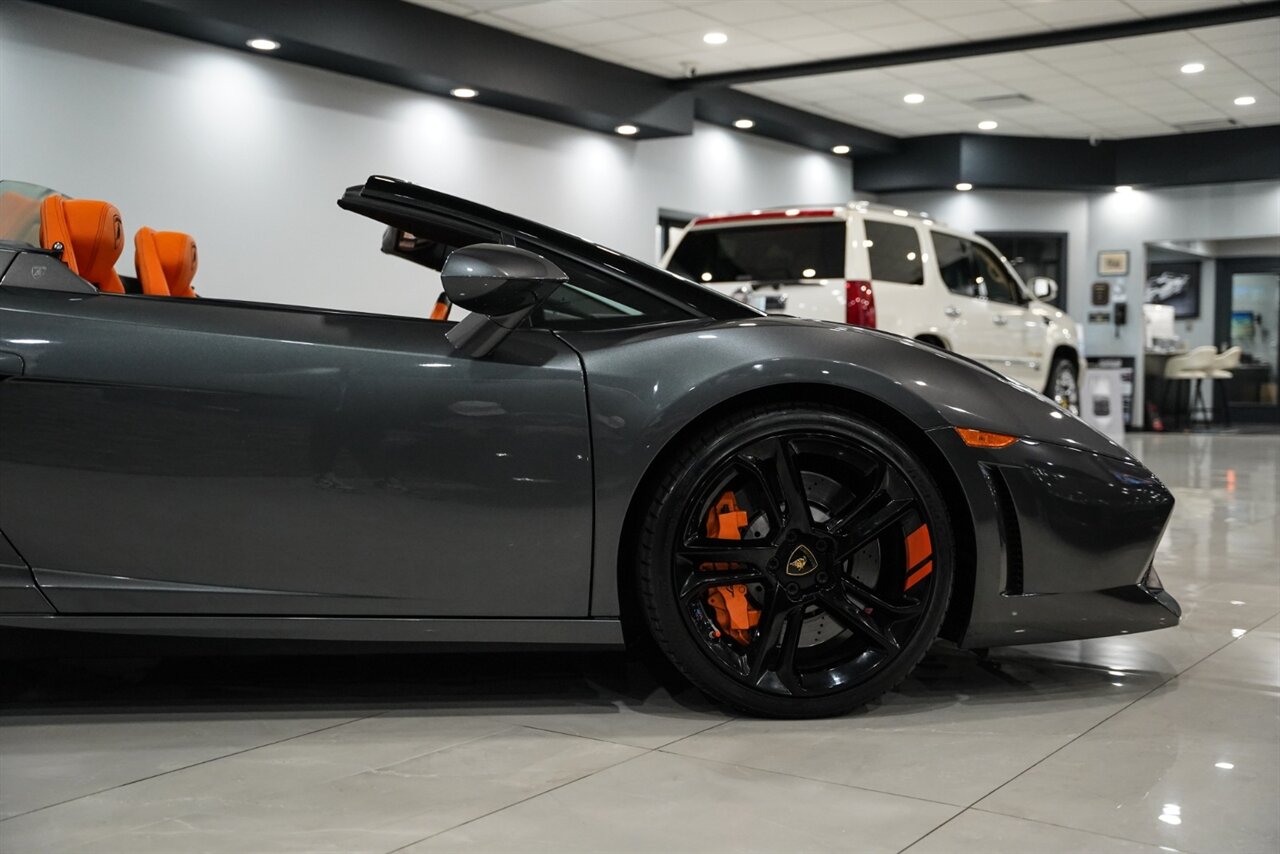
(500, 286)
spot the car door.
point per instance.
(162, 455)
(1018, 336)
(968, 322)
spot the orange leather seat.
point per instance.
(92, 238)
(166, 262)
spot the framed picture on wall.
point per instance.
(1175, 283)
(1113, 262)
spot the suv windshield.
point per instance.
(762, 253)
(20, 211)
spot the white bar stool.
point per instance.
(1189, 367)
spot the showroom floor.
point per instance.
(1163, 741)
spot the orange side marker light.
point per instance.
(985, 439)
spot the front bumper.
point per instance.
(1064, 543)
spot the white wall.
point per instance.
(249, 153)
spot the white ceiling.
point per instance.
(1113, 89)
(1122, 88)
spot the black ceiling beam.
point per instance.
(787, 124)
(992, 162)
(1005, 44)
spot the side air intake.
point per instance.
(1010, 532)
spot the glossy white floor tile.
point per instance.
(1168, 740)
(663, 802)
(978, 832)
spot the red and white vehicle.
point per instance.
(883, 267)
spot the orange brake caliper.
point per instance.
(734, 612)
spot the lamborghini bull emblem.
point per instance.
(801, 562)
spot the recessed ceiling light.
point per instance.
(844, 149)
(715, 38)
(744, 124)
(1124, 188)
(263, 44)
(463, 92)
(964, 186)
(988, 125)
(914, 98)
(1246, 101)
(627, 130)
(901, 212)
(1193, 68)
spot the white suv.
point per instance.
(870, 265)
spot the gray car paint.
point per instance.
(198, 457)
(647, 385)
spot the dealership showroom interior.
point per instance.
(639, 426)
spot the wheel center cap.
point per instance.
(802, 561)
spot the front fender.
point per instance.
(644, 386)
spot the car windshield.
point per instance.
(762, 253)
(20, 211)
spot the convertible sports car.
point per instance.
(793, 510)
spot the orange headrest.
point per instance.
(166, 262)
(19, 217)
(92, 236)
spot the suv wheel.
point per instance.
(1064, 384)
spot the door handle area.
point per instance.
(999, 319)
(10, 365)
(951, 311)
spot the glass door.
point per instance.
(1250, 320)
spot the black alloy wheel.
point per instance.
(795, 562)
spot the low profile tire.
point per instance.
(1064, 384)
(795, 561)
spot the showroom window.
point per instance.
(895, 253)
(762, 253)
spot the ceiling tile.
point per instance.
(599, 32)
(1063, 14)
(865, 16)
(544, 16)
(793, 27)
(622, 8)
(673, 21)
(646, 47)
(985, 25)
(1160, 8)
(910, 35)
(945, 9)
(835, 44)
(743, 11)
